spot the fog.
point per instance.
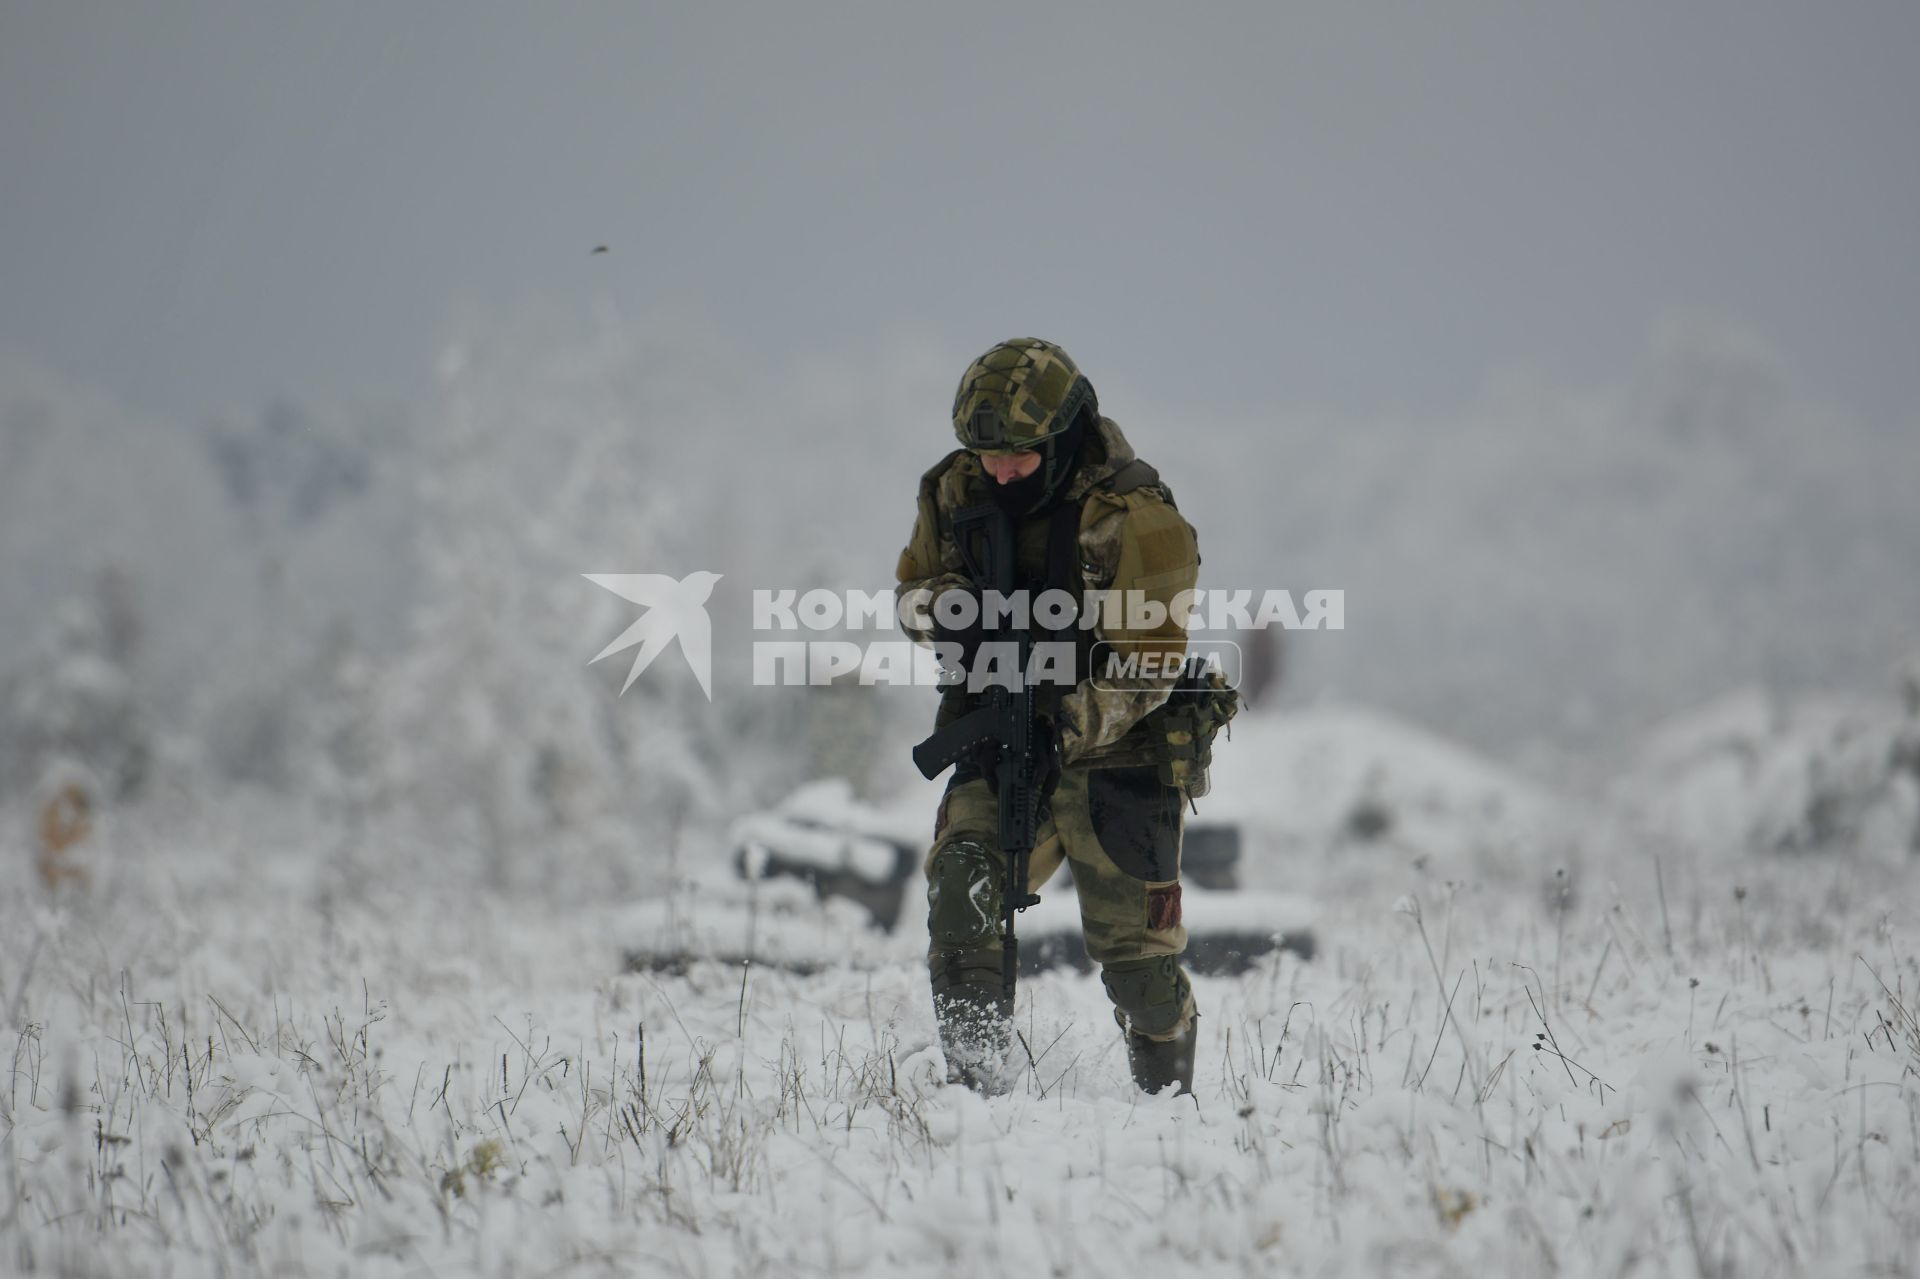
(355, 919)
(1576, 346)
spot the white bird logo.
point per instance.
(675, 610)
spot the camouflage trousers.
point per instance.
(1120, 830)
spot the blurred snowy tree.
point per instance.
(289, 466)
(502, 739)
(73, 701)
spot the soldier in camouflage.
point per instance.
(1089, 517)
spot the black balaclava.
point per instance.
(1059, 458)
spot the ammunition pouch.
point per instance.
(1183, 727)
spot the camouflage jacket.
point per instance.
(1131, 539)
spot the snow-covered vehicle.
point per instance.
(825, 837)
(815, 867)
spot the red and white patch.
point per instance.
(1163, 907)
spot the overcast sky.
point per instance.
(1337, 206)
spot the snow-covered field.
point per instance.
(232, 1058)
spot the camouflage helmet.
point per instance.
(1021, 392)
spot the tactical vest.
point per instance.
(1177, 737)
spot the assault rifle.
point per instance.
(1006, 721)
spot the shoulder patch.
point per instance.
(1161, 536)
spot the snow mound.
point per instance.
(1306, 782)
(1750, 773)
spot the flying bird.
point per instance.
(598, 248)
(676, 610)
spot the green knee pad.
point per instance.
(963, 898)
(1148, 994)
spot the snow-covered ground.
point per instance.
(242, 1057)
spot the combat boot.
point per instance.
(976, 1023)
(1159, 1062)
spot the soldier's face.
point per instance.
(1005, 468)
